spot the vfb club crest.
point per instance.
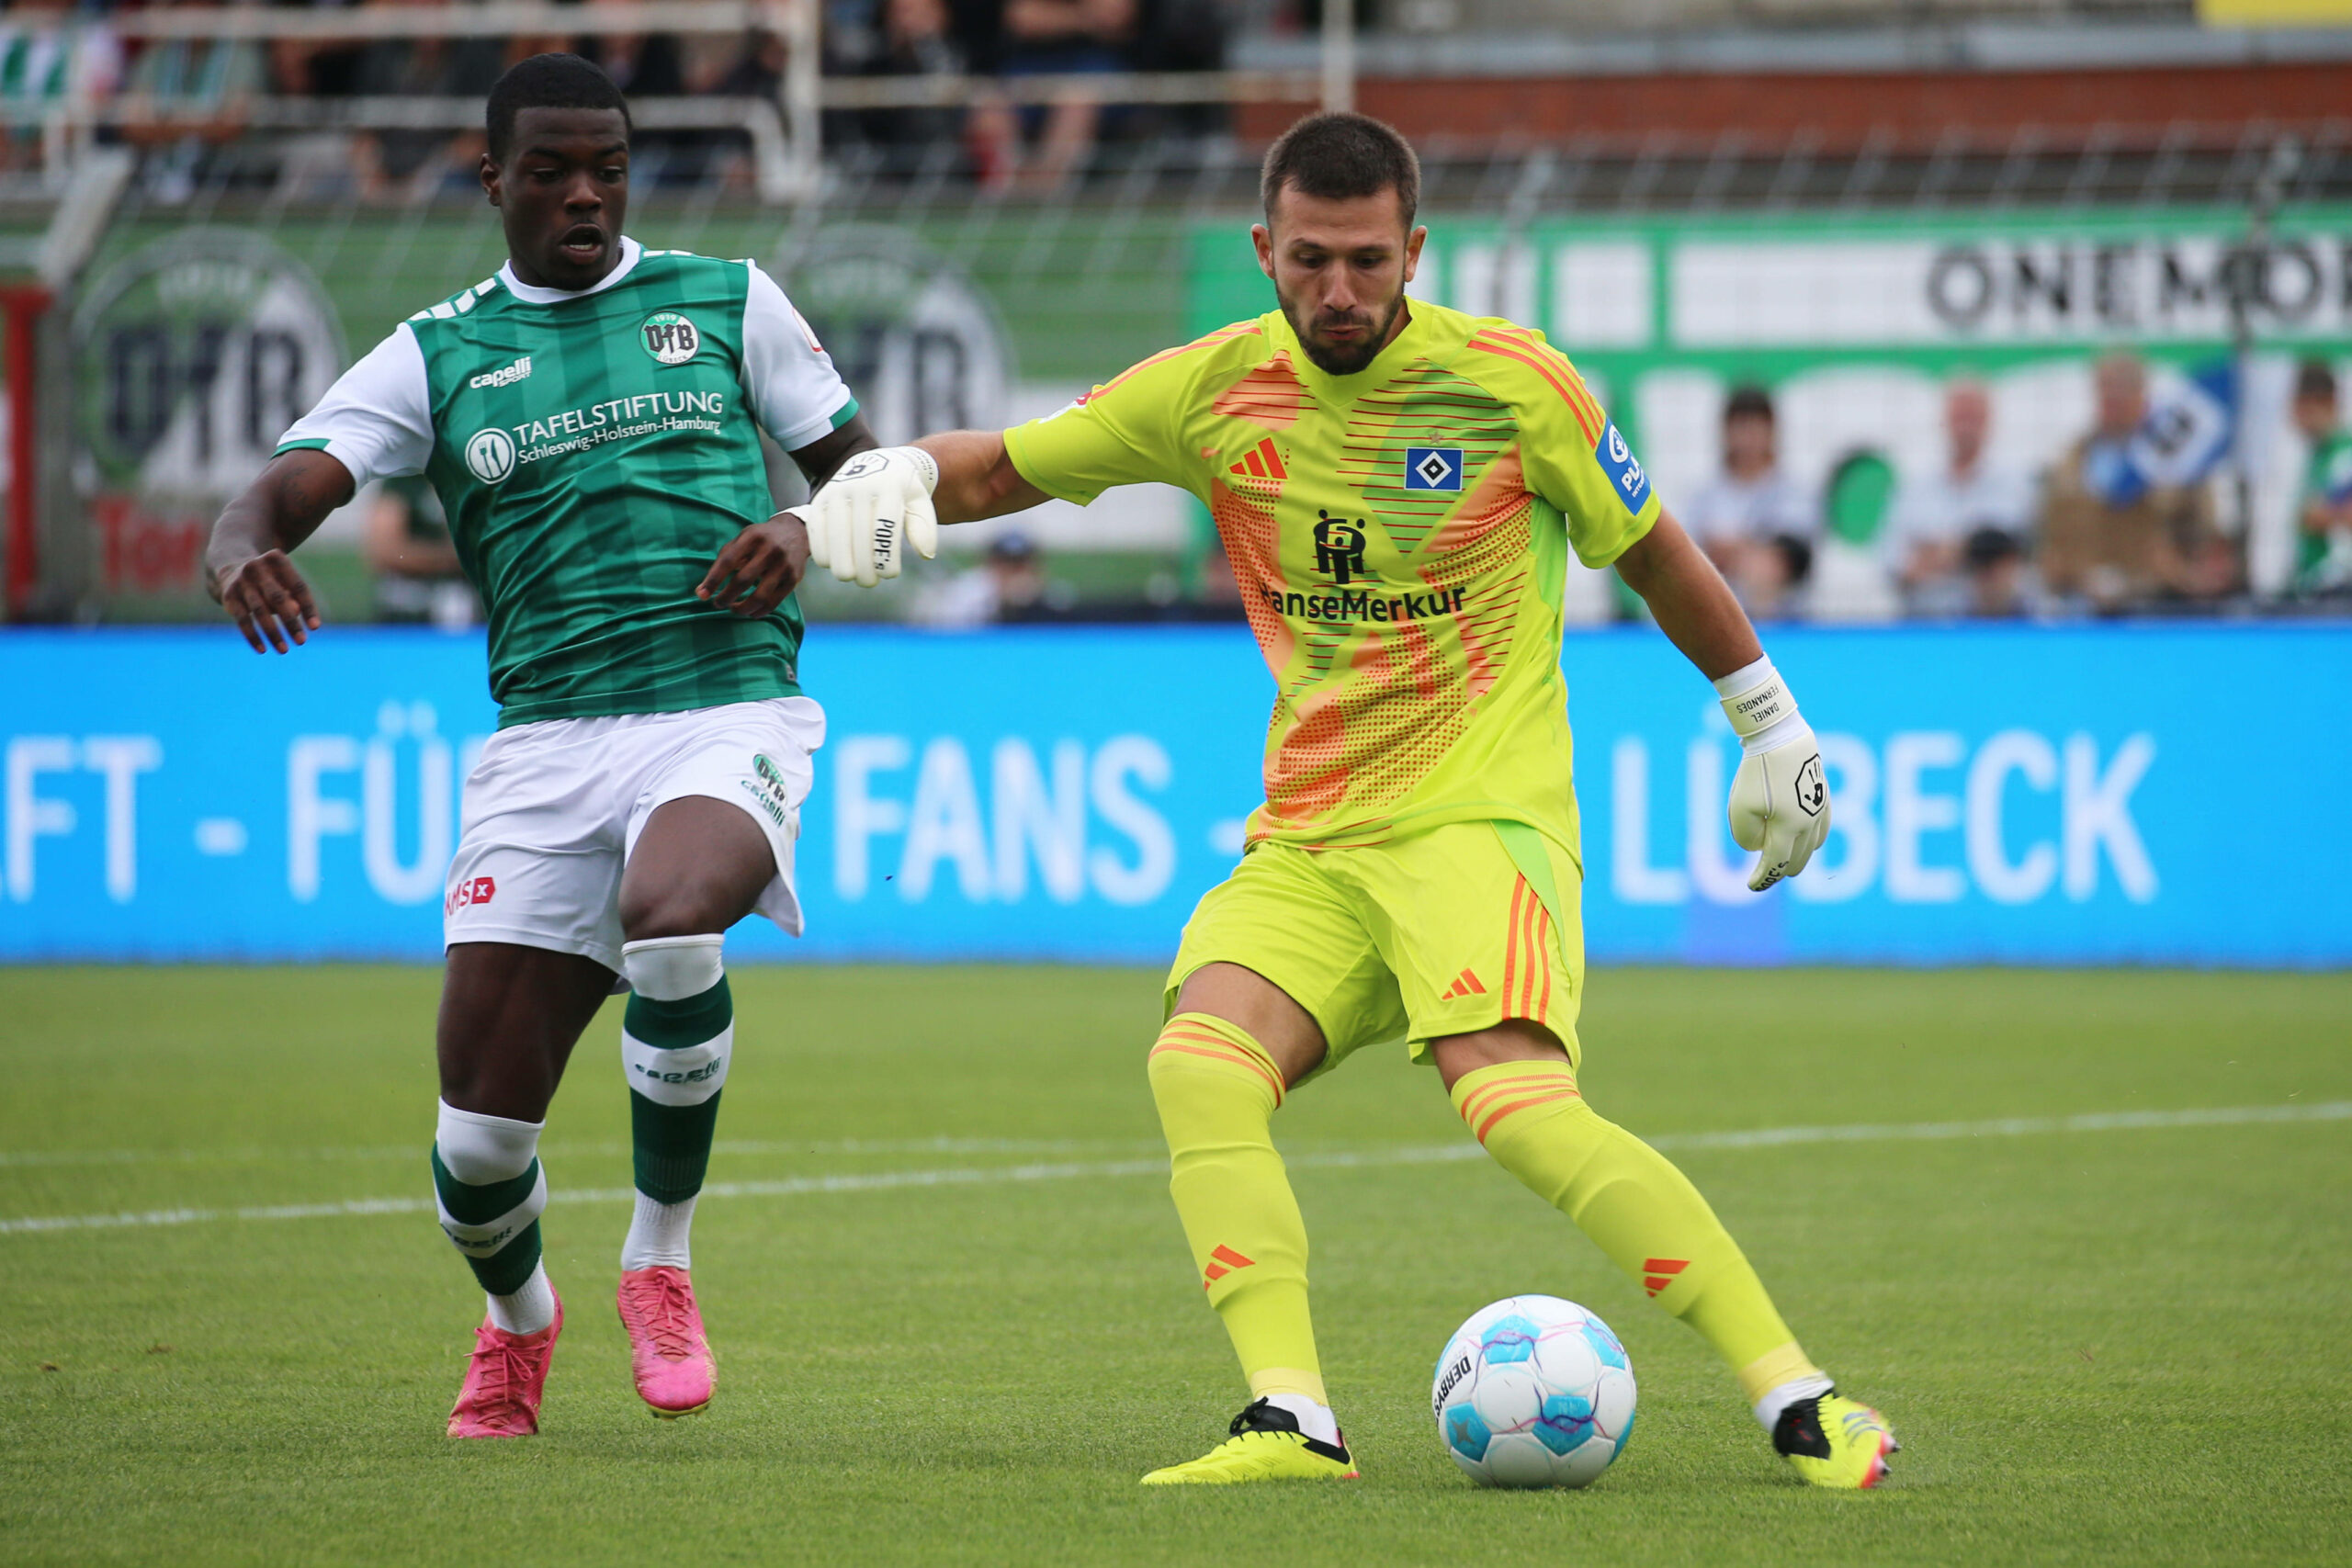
(669, 337)
(1338, 549)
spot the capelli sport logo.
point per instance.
(669, 337)
(504, 375)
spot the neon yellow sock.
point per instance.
(1640, 1209)
(1216, 1089)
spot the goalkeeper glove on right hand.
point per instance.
(874, 507)
(1779, 799)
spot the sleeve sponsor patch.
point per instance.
(1624, 469)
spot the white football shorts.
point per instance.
(553, 809)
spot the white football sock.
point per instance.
(1768, 1408)
(529, 1309)
(1315, 1419)
(659, 1235)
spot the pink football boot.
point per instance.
(668, 1351)
(505, 1381)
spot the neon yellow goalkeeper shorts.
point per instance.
(1445, 932)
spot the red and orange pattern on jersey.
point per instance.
(1399, 537)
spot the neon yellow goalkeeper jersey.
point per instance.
(1400, 537)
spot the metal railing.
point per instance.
(803, 94)
(777, 174)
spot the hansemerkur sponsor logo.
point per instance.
(1365, 606)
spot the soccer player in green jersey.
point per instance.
(1398, 486)
(590, 418)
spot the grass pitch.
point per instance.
(955, 1319)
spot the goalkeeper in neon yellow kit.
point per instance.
(1398, 486)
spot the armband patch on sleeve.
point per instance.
(1624, 469)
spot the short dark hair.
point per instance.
(1988, 546)
(1341, 156)
(2315, 379)
(1747, 403)
(548, 82)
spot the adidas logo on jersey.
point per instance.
(1261, 462)
(505, 375)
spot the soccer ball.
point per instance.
(1533, 1392)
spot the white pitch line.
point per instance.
(1429, 1153)
(2010, 1126)
(254, 1154)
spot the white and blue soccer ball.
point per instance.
(1533, 1392)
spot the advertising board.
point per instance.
(2133, 794)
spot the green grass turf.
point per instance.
(2123, 1346)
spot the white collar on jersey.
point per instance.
(531, 294)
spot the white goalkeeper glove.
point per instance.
(1779, 799)
(874, 507)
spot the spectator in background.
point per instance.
(750, 66)
(2113, 536)
(1009, 585)
(1960, 535)
(417, 163)
(2323, 509)
(649, 66)
(1051, 38)
(48, 63)
(185, 97)
(915, 38)
(640, 64)
(2000, 573)
(1754, 522)
(1184, 35)
(407, 546)
(305, 68)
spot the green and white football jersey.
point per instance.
(595, 451)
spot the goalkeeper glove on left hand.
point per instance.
(874, 506)
(1779, 799)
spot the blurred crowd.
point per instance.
(2095, 533)
(1003, 40)
(186, 100)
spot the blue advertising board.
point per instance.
(2091, 794)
